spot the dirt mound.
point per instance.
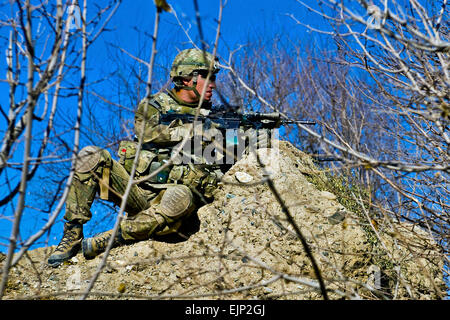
(241, 246)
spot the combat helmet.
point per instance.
(188, 61)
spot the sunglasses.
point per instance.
(204, 74)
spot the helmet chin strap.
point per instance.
(194, 85)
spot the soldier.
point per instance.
(159, 204)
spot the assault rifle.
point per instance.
(226, 119)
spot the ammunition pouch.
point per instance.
(198, 179)
(148, 162)
(126, 153)
(209, 184)
(161, 176)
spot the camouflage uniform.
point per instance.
(156, 205)
(158, 141)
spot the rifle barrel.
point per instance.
(276, 116)
(306, 122)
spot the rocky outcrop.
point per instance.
(241, 246)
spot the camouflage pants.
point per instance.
(148, 211)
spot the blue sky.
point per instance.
(239, 17)
(240, 20)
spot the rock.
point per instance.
(121, 288)
(74, 260)
(243, 177)
(328, 195)
(242, 242)
(337, 217)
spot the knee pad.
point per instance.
(176, 202)
(89, 159)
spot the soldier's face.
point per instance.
(202, 83)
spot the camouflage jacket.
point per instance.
(158, 140)
(147, 119)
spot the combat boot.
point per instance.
(92, 247)
(69, 246)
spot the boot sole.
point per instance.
(57, 259)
